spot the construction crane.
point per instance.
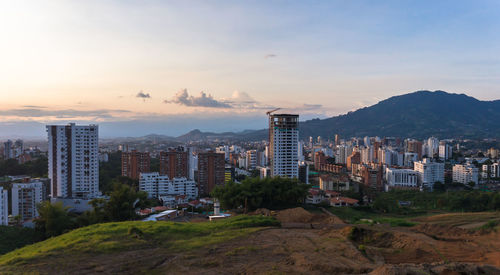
(272, 111)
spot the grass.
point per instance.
(119, 236)
(12, 237)
(368, 216)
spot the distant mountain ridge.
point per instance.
(419, 115)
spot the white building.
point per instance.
(432, 147)
(343, 151)
(157, 185)
(410, 159)
(493, 170)
(429, 172)
(465, 173)
(74, 161)
(401, 178)
(445, 151)
(25, 198)
(251, 159)
(283, 145)
(4, 207)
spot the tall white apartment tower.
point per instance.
(283, 145)
(73, 161)
(4, 207)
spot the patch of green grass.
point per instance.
(368, 216)
(120, 236)
(489, 226)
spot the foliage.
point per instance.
(34, 168)
(121, 206)
(111, 237)
(255, 193)
(53, 220)
(12, 237)
(110, 170)
(469, 201)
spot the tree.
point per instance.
(255, 193)
(53, 219)
(122, 202)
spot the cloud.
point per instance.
(143, 95)
(311, 106)
(270, 56)
(60, 114)
(182, 97)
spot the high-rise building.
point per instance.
(429, 173)
(8, 152)
(174, 164)
(319, 160)
(445, 151)
(252, 159)
(414, 146)
(229, 173)
(73, 161)
(354, 158)
(134, 163)
(25, 197)
(283, 145)
(465, 173)
(4, 207)
(432, 147)
(211, 167)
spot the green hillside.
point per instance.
(101, 240)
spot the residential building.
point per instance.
(175, 164)
(319, 160)
(134, 163)
(283, 145)
(429, 172)
(73, 161)
(4, 207)
(229, 173)
(401, 178)
(157, 186)
(211, 167)
(25, 198)
(8, 150)
(465, 173)
(304, 173)
(491, 171)
(251, 159)
(414, 146)
(445, 151)
(493, 153)
(354, 158)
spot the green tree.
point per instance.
(122, 202)
(253, 193)
(53, 219)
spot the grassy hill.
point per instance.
(100, 241)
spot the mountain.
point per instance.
(420, 114)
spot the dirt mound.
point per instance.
(294, 215)
(437, 268)
(300, 215)
(444, 232)
(262, 211)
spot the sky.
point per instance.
(167, 67)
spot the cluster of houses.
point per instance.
(332, 198)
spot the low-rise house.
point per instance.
(343, 201)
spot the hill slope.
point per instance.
(420, 114)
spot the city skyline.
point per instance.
(203, 64)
